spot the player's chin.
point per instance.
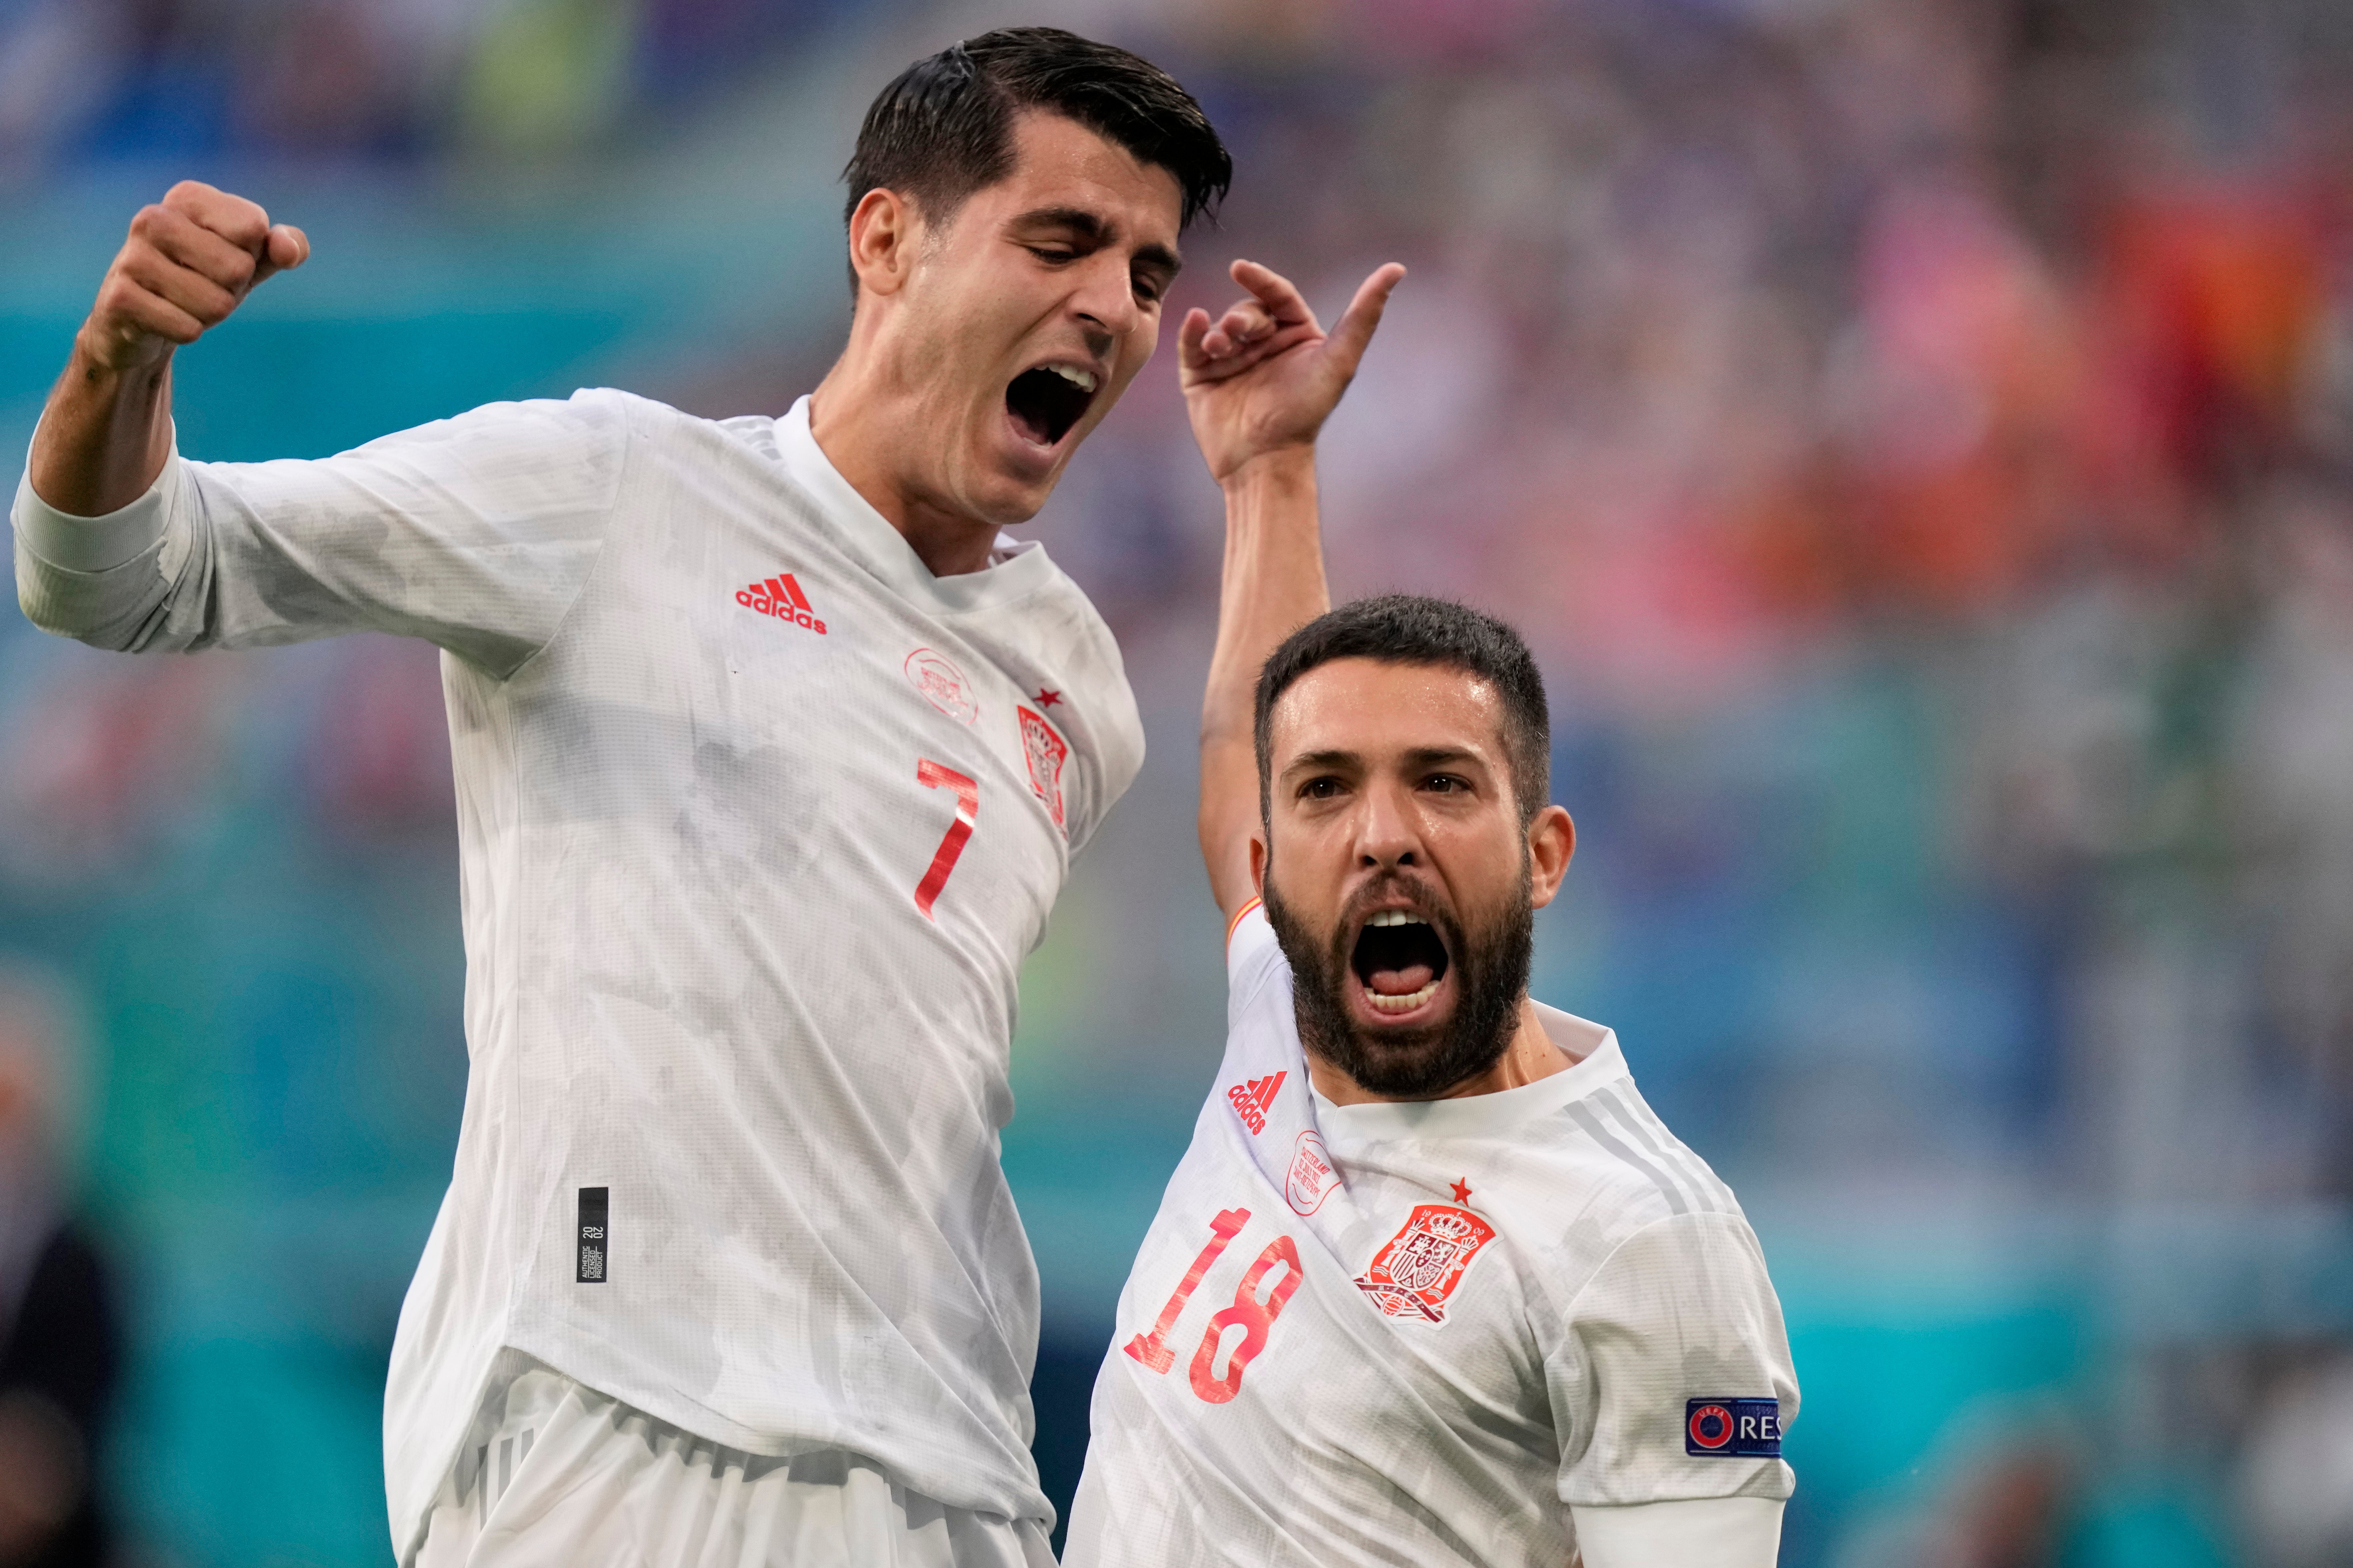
(1001, 494)
(1021, 473)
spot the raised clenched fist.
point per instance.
(190, 260)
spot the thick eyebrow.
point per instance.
(1444, 757)
(1094, 227)
(1311, 761)
(1420, 757)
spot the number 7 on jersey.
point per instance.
(934, 775)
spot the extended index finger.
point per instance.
(1353, 329)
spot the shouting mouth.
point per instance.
(1399, 961)
(1046, 400)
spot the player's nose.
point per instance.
(1387, 834)
(1105, 300)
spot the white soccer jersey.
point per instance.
(758, 819)
(1425, 1332)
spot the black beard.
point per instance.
(1491, 965)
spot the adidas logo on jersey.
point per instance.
(1252, 1099)
(781, 596)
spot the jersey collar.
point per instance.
(1598, 1063)
(1018, 566)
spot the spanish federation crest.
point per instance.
(1047, 752)
(1417, 1270)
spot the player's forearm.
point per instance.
(105, 434)
(1272, 584)
(90, 504)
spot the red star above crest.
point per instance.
(1463, 1192)
(1048, 699)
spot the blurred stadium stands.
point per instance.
(1917, 433)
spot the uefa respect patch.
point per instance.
(1733, 1429)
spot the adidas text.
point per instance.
(1252, 1099)
(781, 596)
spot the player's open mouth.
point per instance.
(1046, 400)
(1399, 959)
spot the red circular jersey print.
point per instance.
(942, 685)
(1711, 1426)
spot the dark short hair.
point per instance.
(1410, 628)
(944, 127)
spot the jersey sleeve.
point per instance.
(1721, 1531)
(1252, 958)
(1117, 755)
(1100, 714)
(475, 533)
(1671, 1376)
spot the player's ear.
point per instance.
(1552, 841)
(1258, 865)
(883, 241)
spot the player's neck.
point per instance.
(1531, 1056)
(862, 430)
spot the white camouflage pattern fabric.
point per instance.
(1459, 1321)
(693, 833)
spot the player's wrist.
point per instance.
(106, 351)
(1289, 465)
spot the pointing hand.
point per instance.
(1265, 376)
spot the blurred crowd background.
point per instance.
(1917, 436)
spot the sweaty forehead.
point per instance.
(1373, 707)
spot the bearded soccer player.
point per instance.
(1432, 1284)
(772, 751)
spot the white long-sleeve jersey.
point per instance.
(757, 820)
(1488, 1331)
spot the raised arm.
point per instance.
(1258, 383)
(189, 261)
(476, 533)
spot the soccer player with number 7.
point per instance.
(771, 753)
(1432, 1284)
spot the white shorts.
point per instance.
(572, 1479)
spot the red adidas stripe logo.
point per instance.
(781, 596)
(1253, 1100)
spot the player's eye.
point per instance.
(1053, 255)
(1148, 289)
(1323, 788)
(1445, 783)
